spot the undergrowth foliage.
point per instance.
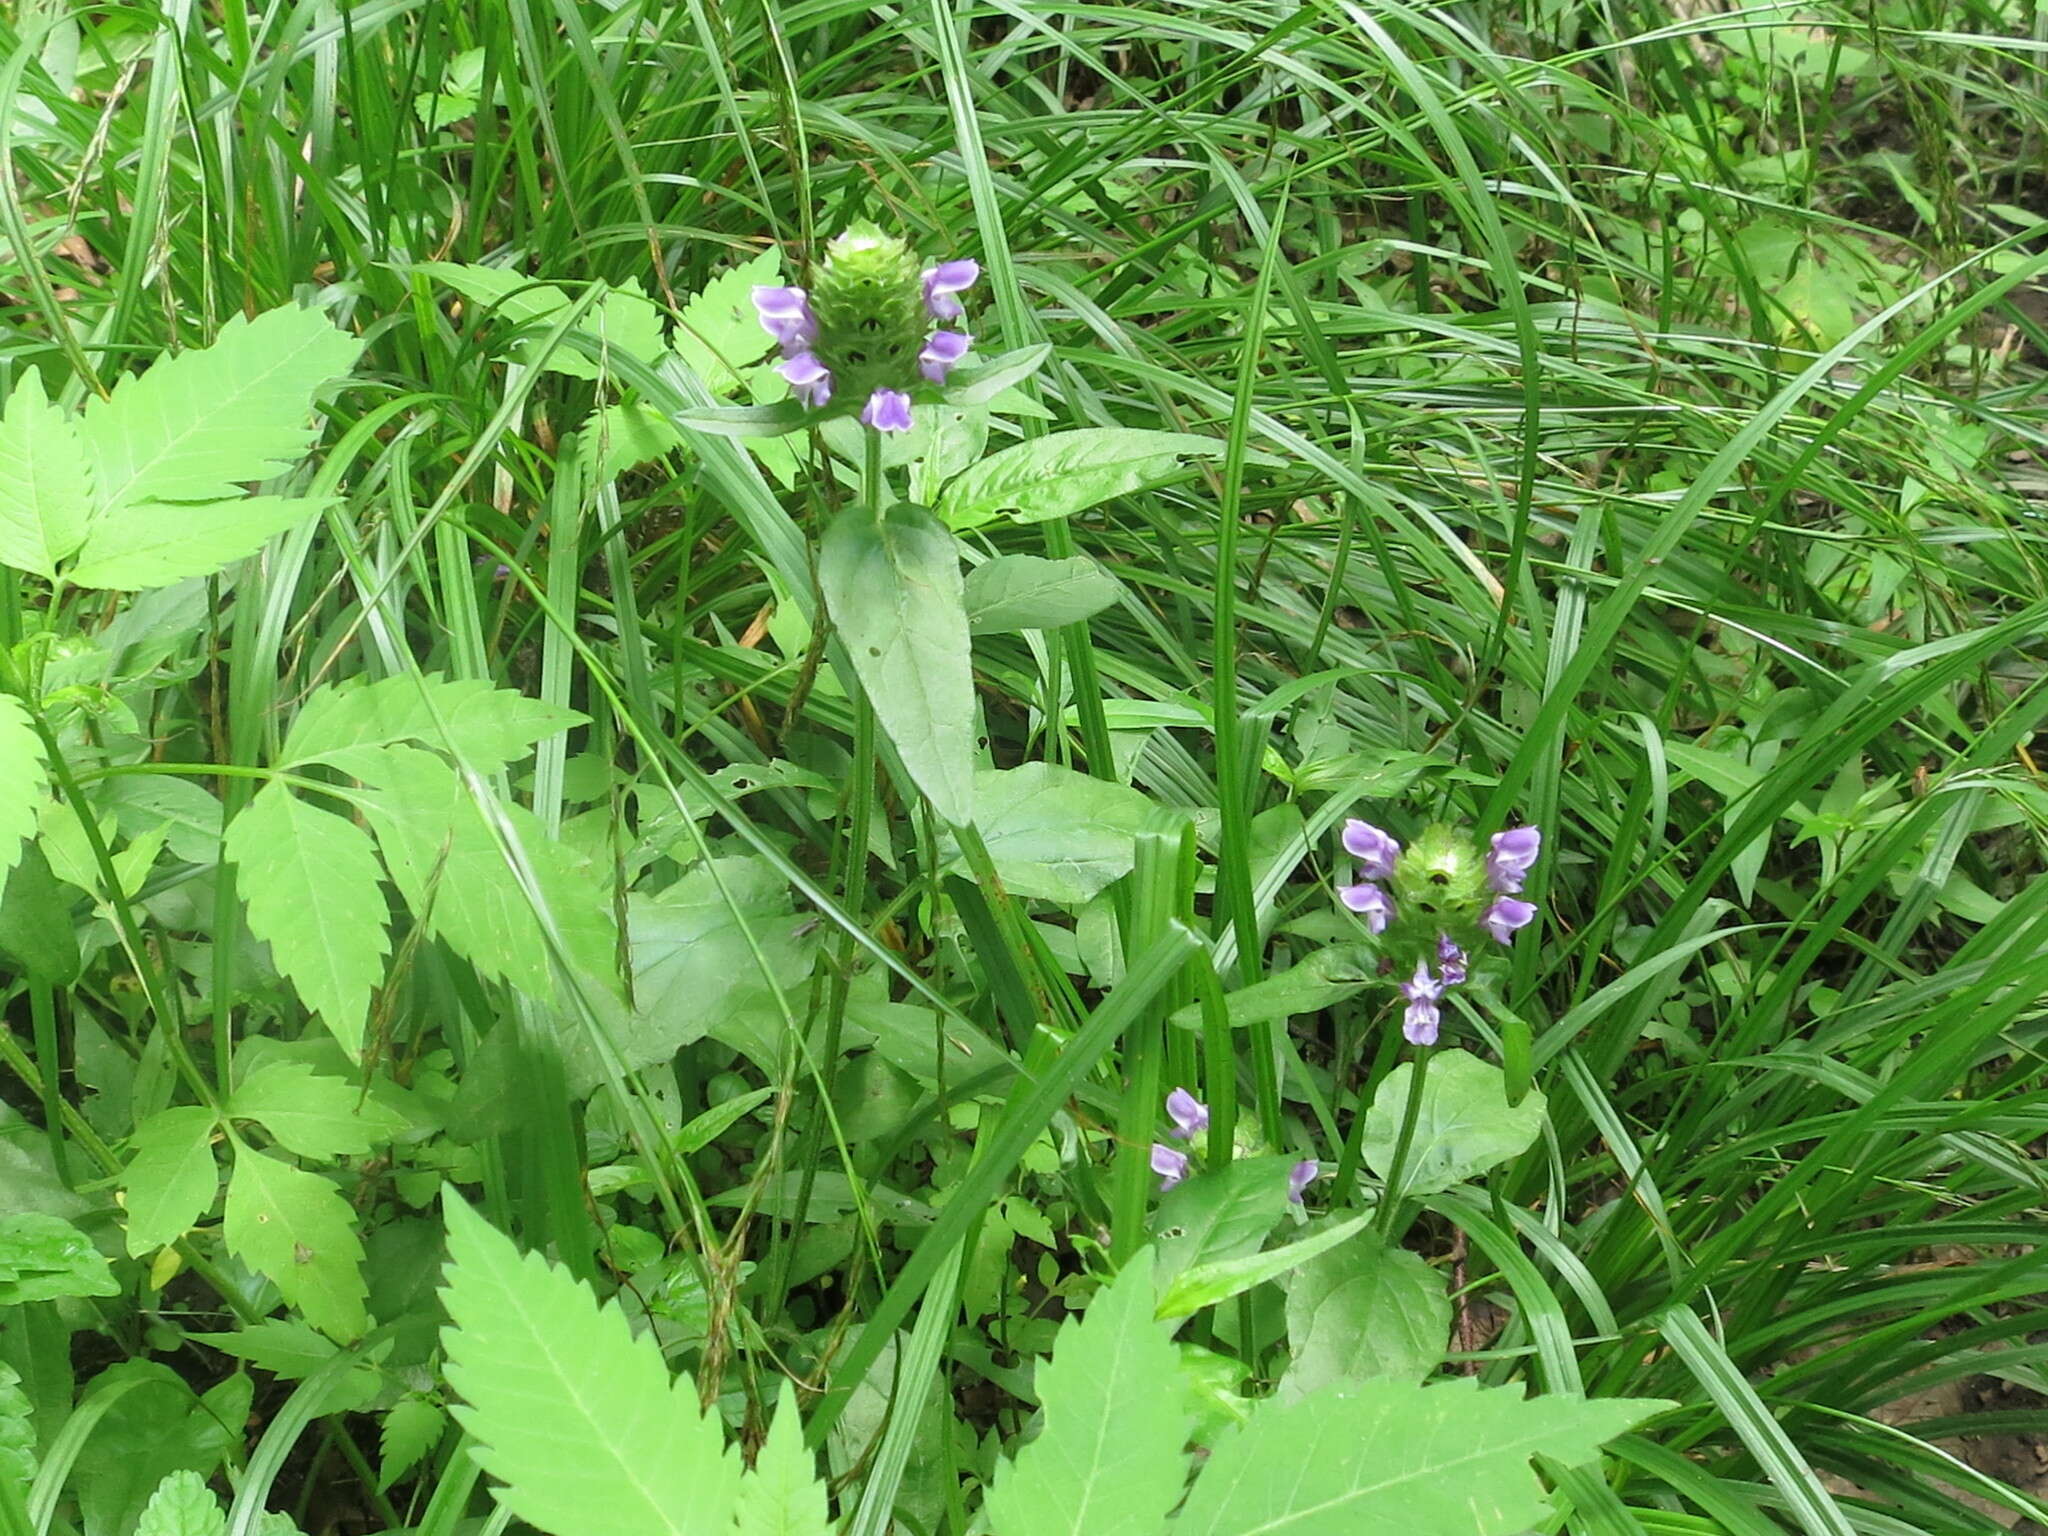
(1213, 768)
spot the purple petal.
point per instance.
(809, 380)
(1171, 1166)
(1300, 1176)
(1505, 916)
(1370, 903)
(1420, 1023)
(1423, 987)
(945, 280)
(786, 315)
(942, 349)
(1374, 849)
(1513, 852)
(887, 410)
(1189, 1114)
(1452, 958)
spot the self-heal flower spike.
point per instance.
(1190, 1116)
(1370, 903)
(1374, 849)
(1300, 1176)
(1423, 992)
(1505, 916)
(1171, 1166)
(1514, 851)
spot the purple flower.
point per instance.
(1505, 916)
(1513, 852)
(1189, 1114)
(887, 410)
(1370, 903)
(1424, 992)
(1171, 1166)
(945, 280)
(1300, 1176)
(809, 380)
(1374, 849)
(942, 349)
(1452, 958)
(787, 316)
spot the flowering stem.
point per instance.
(1390, 1203)
(871, 482)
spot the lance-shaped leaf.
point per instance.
(45, 487)
(1067, 472)
(1028, 592)
(22, 779)
(295, 1227)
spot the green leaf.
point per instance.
(485, 727)
(295, 1227)
(293, 1351)
(22, 779)
(156, 1428)
(182, 1506)
(579, 1419)
(1220, 1213)
(1446, 1460)
(314, 893)
(622, 318)
(196, 426)
(313, 1114)
(894, 589)
(1110, 1460)
(1204, 1285)
(36, 930)
(45, 485)
(627, 434)
(1327, 977)
(17, 1432)
(1012, 592)
(782, 1496)
(1465, 1125)
(152, 544)
(1067, 472)
(172, 1179)
(43, 1257)
(719, 330)
(1057, 834)
(1363, 1310)
(412, 1428)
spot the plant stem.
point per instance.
(1390, 1192)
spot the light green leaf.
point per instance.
(485, 727)
(1364, 1310)
(1204, 1285)
(412, 1428)
(151, 544)
(196, 426)
(579, 1419)
(1110, 1460)
(623, 318)
(189, 817)
(719, 331)
(295, 1227)
(1013, 592)
(1465, 1125)
(1220, 1213)
(1447, 1460)
(17, 1432)
(782, 1496)
(312, 1114)
(182, 1506)
(1057, 834)
(22, 779)
(894, 589)
(293, 1351)
(1067, 472)
(627, 434)
(172, 1179)
(43, 1257)
(312, 884)
(45, 485)
(1328, 976)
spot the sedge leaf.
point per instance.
(45, 487)
(295, 1227)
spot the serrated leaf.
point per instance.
(412, 1428)
(23, 779)
(36, 931)
(1012, 592)
(1446, 1460)
(893, 587)
(295, 1227)
(196, 426)
(17, 1432)
(781, 1495)
(1110, 1460)
(182, 1506)
(44, 1257)
(291, 1350)
(484, 726)
(622, 318)
(579, 1419)
(1067, 472)
(1363, 1310)
(1465, 1124)
(172, 1179)
(311, 1113)
(1056, 834)
(314, 893)
(45, 484)
(719, 331)
(628, 434)
(152, 544)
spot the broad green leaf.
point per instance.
(36, 930)
(1219, 1213)
(172, 1179)
(1014, 592)
(1057, 834)
(719, 331)
(1446, 1460)
(781, 1495)
(311, 1113)
(624, 318)
(1110, 1460)
(45, 486)
(295, 1227)
(412, 1428)
(188, 816)
(1465, 1125)
(485, 727)
(579, 1419)
(894, 589)
(1204, 1285)
(43, 1257)
(182, 1506)
(314, 893)
(154, 1429)
(1067, 472)
(197, 426)
(17, 1431)
(1328, 976)
(152, 544)
(1363, 1310)
(22, 779)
